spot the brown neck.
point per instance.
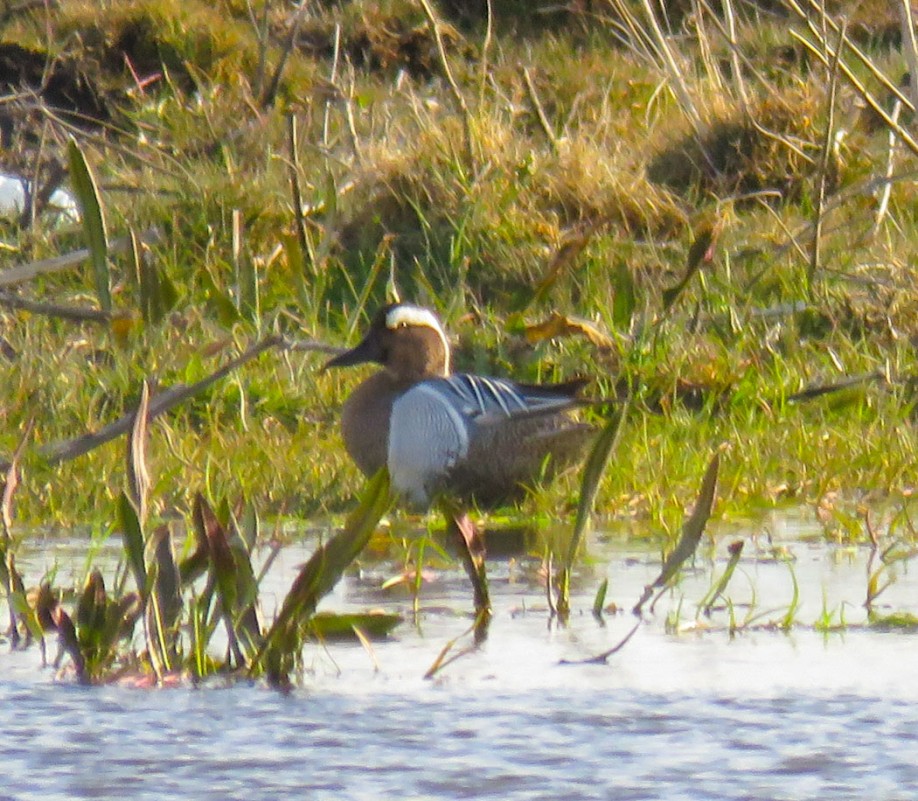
(416, 354)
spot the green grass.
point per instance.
(627, 170)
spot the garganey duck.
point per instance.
(472, 438)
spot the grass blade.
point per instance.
(482, 620)
(460, 528)
(158, 295)
(247, 300)
(65, 450)
(625, 297)
(692, 530)
(87, 196)
(700, 252)
(26, 272)
(11, 485)
(599, 601)
(601, 659)
(602, 451)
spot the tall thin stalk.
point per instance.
(454, 87)
(824, 164)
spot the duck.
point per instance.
(475, 439)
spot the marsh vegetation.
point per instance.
(707, 208)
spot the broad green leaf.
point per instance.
(331, 626)
(121, 617)
(602, 451)
(132, 536)
(87, 196)
(234, 577)
(318, 576)
(158, 294)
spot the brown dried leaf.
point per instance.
(138, 477)
(67, 635)
(560, 325)
(571, 247)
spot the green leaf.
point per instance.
(599, 601)
(87, 197)
(218, 301)
(158, 294)
(167, 606)
(700, 252)
(602, 451)
(132, 536)
(20, 604)
(707, 603)
(624, 298)
(247, 296)
(67, 636)
(692, 530)
(332, 626)
(465, 534)
(90, 619)
(234, 577)
(318, 576)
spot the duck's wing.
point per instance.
(490, 401)
(438, 423)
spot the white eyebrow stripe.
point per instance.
(412, 315)
(406, 314)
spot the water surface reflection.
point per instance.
(684, 711)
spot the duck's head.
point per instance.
(408, 341)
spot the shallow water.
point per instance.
(683, 711)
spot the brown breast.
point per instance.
(365, 421)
